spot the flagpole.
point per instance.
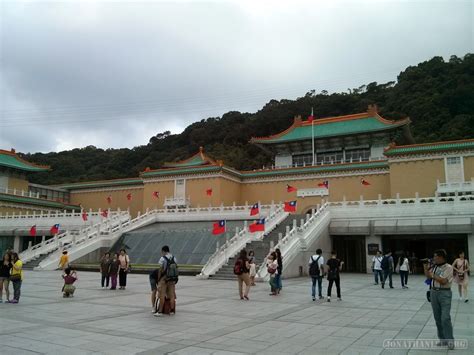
(312, 133)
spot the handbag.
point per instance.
(428, 295)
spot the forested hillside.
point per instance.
(437, 95)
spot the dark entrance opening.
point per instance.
(417, 247)
(351, 250)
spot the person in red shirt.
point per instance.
(69, 278)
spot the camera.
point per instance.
(426, 261)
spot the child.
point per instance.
(69, 278)
(113, 271)
(272, 267)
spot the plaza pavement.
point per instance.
(211, 319)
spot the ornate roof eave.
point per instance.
(206, 160)
(29, 167)
(100, 183)
(36, 201)
(420, 149)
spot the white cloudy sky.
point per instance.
(112, 73)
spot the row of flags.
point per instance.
(54, 229)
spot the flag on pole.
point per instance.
(33, 231)
(254, 210)
(129, 196)
(290, 206)
(156, 194)
(325, 184)
(218, 227)
(311, 117)
(209, 192)
(84, 216)
(109, 200)
(54, 229)
(364, 182)
(105, 213)
(290, 188)
(257, 226)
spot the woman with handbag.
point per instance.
(124, 261)
(16, 277)
(461, 275)
(5, 270)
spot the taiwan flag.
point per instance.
(156, 194)
(33, 231)
(325, 184)
(290, 188)
(129, 197)
(55, 229)
(84, 216)
(209, 192)
(105, 213)
(218, 227)
(109, 200)
(254, 210)
(364, 182)
(311, 117)
(290, 206)
(257, 226)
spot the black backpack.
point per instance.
(314, 269)
(171, 270)
(384, 264)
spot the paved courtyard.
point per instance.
(211, 319)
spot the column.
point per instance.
(371, 239)
(16, 243)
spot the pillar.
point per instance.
(371, 239)
(16, 243)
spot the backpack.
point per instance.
(171, 270)
(238, 267)
(314, 269)
(384, 264)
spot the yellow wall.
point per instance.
(408, 178)
(166, 190)
(98, 199)
(468, 168)
(16, 183)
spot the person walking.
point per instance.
(377, 268)
(334, 268)
(316, 271)
(404, 269)
(16, 277)
(5, 270)
(167, 281)
(253, 267)
(441, 276)
(242, 269)
(63, 261)
(461, 275)
(387, 267)
(279, 259)
(124, 261)
(105, 270)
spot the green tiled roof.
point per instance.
(11, 160)
(197, 159)
(435, 147)
(331, 129)
(36, 202)
(185, 170)
(96, 184)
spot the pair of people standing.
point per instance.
(317, 271)
(382, 267)
(11, 270)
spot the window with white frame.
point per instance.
(354, 155)
(454, 169)
(302, 159)
(179, 188)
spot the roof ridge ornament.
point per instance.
(373, 109)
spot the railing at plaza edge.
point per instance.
(241, 237)
(16, 192)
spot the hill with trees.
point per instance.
(437, 95)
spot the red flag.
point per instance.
(129, 196)
(325, 184)
(311, 117)
(33, 231)
(290, 206)
(254, 210)
(364, 182)
(209, 192)
(109, 200)
(218, 227)
(105, 213)
(257, 226)
(84, 216)
(290, 188)
(55, 229)
(156, 194)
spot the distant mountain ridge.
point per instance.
(437, 95)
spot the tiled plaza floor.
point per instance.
(211, 319)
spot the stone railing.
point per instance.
(455, 187)
(238, 242)
(23, 193)
(298, 238)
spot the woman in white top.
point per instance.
(404, 269)
(461, 272)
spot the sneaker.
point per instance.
(451, 345)
(339, 299)
(14, 301)
(153, 311)
(158, 314)
(466, 300)
(321, 297)
(391, 286)
(246, 298)
(329, 299)
(314, 299)
(383, 286)
(241, 298)
(172, 313)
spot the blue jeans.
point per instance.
(377, 274)
(387, 273)
(404, 277)
(16, 289)
(319, 280)
(441, 304)
(278, 284)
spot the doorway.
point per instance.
(351, 250)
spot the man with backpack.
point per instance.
(316, 271)
(167, 280)
(387, 267)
